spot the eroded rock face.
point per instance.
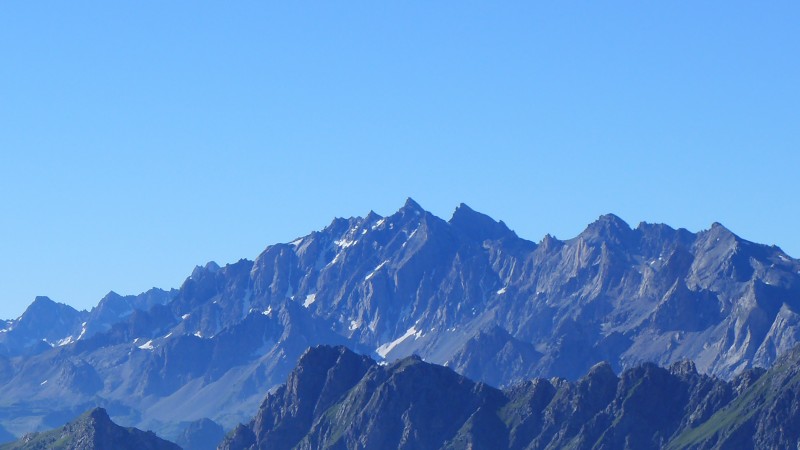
(202, 434)
(414, 404)
(467, 292)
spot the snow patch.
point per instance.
(198, 334)
(355, 324)
(185, 316)
(384, 349)
(267, 311)
(83, 331)
(43, 383)
(147, 345)
(372, 274)
(310, 299)
(379, 223)
(65, 341)
(334, 260)
(344, 243)
(296, 242)
(502, 291)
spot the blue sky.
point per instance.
(140, 139)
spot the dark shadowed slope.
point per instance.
(339, 400)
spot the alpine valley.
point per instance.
(643, 337)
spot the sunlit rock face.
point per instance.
(467, 293)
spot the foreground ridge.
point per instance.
(335, 398)
(94, 430)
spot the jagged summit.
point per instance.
(466, 292)
(478, 226)
(41, 300)
(354, 403)
(608, 228)
(411, 205)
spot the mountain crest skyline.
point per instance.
(605, 226)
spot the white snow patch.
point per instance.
(185, 316)
(168, 335)
(333, 261)
(502, 290)
(83, 331)
(372, 274)
(65, 341)
(267, 311)
(355, 324)
(310, 299)
(296, 242)
(43, 383)
(198, 334)
(384, 349)
(379, 223)
(147, 345)
(344, 243)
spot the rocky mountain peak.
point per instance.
(50, 319)
(478, 226)
(719, 232)
(410, 203)
(44, 305)
(607, 228)
(99, 416)
(684, 368)
(411, 207)
(93, 430)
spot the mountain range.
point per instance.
(336, 399)
(466, 293)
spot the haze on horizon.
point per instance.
(142, 140)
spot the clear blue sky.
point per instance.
(139, 139)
